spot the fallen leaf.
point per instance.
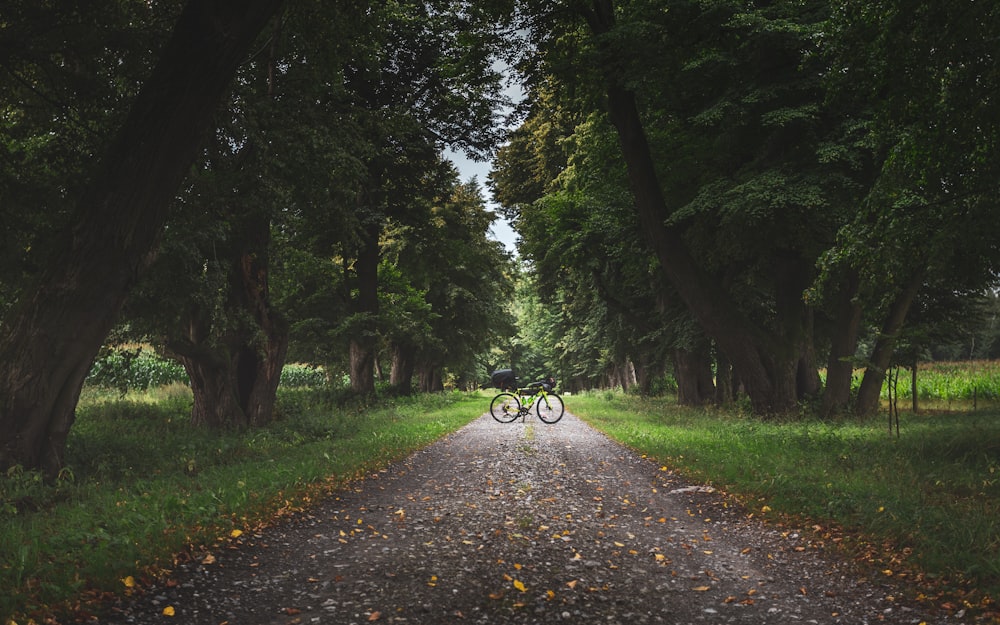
(235, 533)
(129, 582)
(520, 585)
(209, 559)
(701, 588)
(374, 616)
(168, 611)
(572, 584)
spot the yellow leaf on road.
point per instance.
(235, 533)
(520, 585)
(129, 582)
(168, 611)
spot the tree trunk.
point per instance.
(885, 345)
(363, 339)
(693, 371)
(843, 345)
(430, 378)
(724, 384)
(403, 364)
(263, 343)
(235, 370)
(51, 337)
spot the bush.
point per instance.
(134, 370)
(299, 375)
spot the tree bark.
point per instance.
(430, 378)
(51, 337)
(724, 384)
(403, 365)
(693, 370)
(885, 346)
(362, 342)
(235, 370)
(843, 345)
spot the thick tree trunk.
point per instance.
(430, 378)
(235, 375)
(843, 345)
(693, 370)
(403, 365)
(363, 339)
(50, 339)
(885, 346)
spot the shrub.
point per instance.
(134, 370)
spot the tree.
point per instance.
(423, 81)
(52, 334)
(465, 281)
(731, 93)
(930, 74)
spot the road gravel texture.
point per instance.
(524, 523)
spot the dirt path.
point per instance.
(524, 523)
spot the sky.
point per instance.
(467, 169)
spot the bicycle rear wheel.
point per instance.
(550, 408)
(505, 407)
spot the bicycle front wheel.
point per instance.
(550, 408)
(505, 407)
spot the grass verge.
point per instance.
(923, 506)
(142, 485)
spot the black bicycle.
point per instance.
(513, 402)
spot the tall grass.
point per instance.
(141, 484)
(953, 382)
(933, 494)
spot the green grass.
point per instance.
(932, 495)
(142, 485)
(953, 382)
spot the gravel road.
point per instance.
(523, 523)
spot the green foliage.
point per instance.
(952, 382)
(294, 375)
(142, 485)
(932, 494)
(134, 370)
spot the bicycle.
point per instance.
(512, 403)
